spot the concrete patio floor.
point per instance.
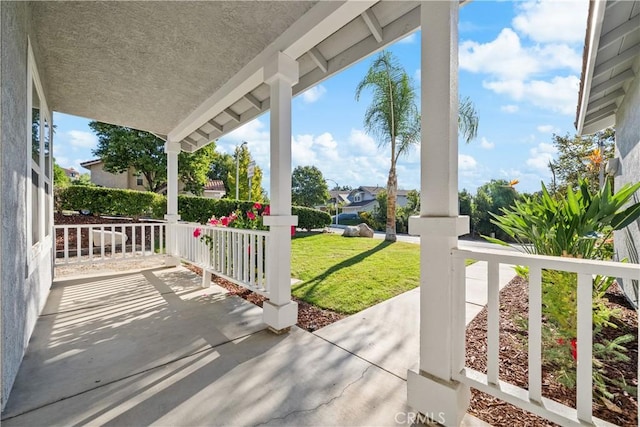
(151, 347)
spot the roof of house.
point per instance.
(612, 47)
(214, 185)
(377, 189)
(360, 203)
(89, 163)
(340, 195)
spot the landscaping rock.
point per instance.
(365, 230)
(351, 231)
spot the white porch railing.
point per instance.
(532, 399)
(237, 255)
(92, 243)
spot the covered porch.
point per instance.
(151, 346)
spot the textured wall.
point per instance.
(25, 281)
(627, 242)
(106, 179)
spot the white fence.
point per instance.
(532, 399)
(91, 243)
(237, 255)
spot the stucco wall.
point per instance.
(106, 179)
(627, 243)
(25, 282)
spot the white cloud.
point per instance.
(486, 144)
(360, 140)
(552, 20)
(506, 58)
(411, 38)
(558, 95)
(547, 129)
(466, 162)
(315, 93)
(82, 139)
(541, 155)
(417, 75)
(509, 108)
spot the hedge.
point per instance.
(108, 201)
(112, 201)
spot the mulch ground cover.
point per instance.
(514, 362)
(310, 317)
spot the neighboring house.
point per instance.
(610, 96)
(363, 199)
(71, 173)
(127, 180)
(134, 181)
(214, 189)
(336, 197)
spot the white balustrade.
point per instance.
(91, 243)
(237, 255)
(531, 399)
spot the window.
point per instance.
(139, 181)
(39, 191)
(357, 197)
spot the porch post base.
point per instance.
(171, 261)
(441, 401)
(280, 317)
(206, 278)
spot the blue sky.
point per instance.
(519, 63)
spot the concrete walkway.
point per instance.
(387, 333)
(153, 348)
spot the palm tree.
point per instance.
(394, 120)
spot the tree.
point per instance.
(220, 168)
(244, 158)
(194, 167)
(465, 202)
(308, 187)
(491, 198)
(393, 119)
(121, 148)
(580, 157)
(60, 178)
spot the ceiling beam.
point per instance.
(202, 133)
(618, 33)
(606, 100)
(215, 124)
(607, 111)
(190, 141)
(319, 59)
(253, 101)
(235, 116)
(613, 81)
(617, 60)
(373, 24)
(393, 32)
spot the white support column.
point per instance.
(431, 390)
(279, 311)
(172, 149)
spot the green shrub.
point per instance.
(309, 218)
(112, 201)
(107, 201)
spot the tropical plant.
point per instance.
(580, 226)
(393, 118)
(576, 225)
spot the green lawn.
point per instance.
(348, 275)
